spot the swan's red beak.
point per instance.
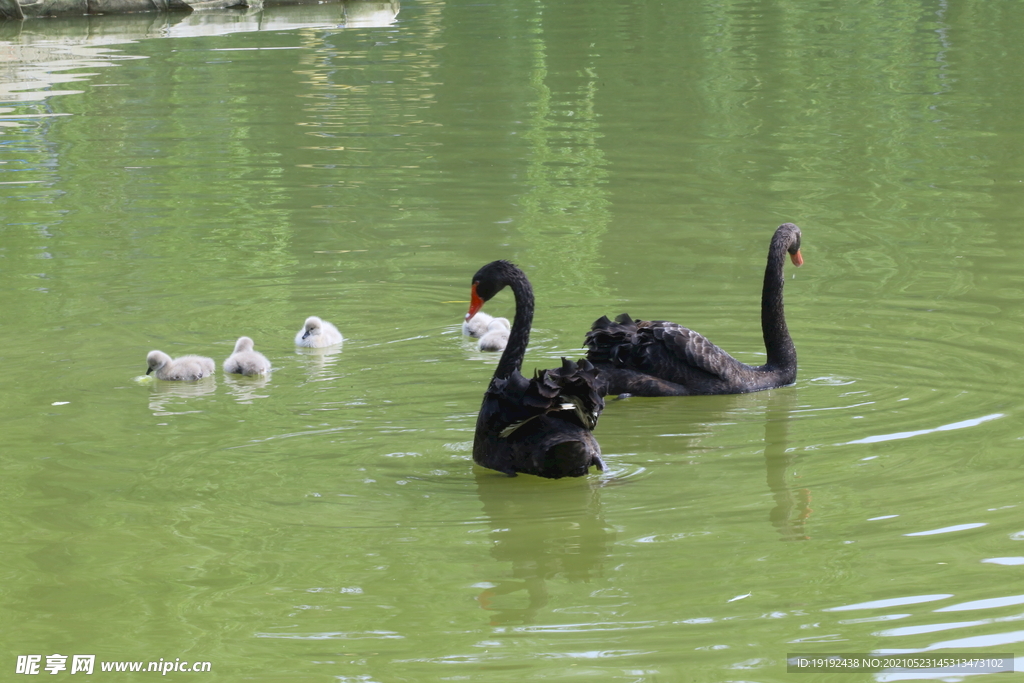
(797, 259)
(475, 303)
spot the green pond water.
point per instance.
(176, 181)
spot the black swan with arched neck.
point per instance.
(542, 426)
(658, 358)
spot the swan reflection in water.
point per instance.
(695, 424)
(320, 364)
(792, 505)
(164, 394)
(555, 531)
(548, 531)
(247, 389)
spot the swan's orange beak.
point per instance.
(797, 259)
(475, 303)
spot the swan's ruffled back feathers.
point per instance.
(575, 384)
(647, 345)
(568, 393)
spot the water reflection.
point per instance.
(247, 389)
(546, 531)
(700, 432)
(163, 395)
(364, 13)
(566, 209)
(33, 62)
(37, 55)
(792, 506)
(320, 360)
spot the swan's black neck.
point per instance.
(778, 343)
(519, 337)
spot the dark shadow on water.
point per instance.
(792, 505)
(552, 531)
(548, 532)
(672, 432)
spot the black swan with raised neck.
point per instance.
(660, 358)
(542, 426)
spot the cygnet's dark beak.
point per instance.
(149, 370)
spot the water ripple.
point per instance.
(984, 604)
(944, 428)
(892, 602)
(970, 642)
(948, 529)
(335, 635)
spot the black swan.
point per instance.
(665, 359)
(542, 426)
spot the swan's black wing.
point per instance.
(683, 343)
(663, 350)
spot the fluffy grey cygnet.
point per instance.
(477, 325)
(317, 333)
(245, 361)
(496, 337)
(179, 369)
